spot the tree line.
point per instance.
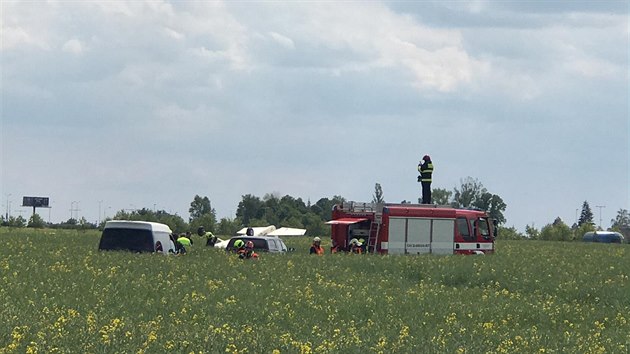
(558, 230)
(288, 211)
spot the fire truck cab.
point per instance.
(412, 228)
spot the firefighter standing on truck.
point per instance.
(425, 167)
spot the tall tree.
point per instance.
(472, 194)
(323, 207)
(558, 231)
(199, 207)
(532, 232)
(36, 221)
(586, 216)
(202, 214)
(468, 193)
(377, 197)
(249, 208)
(440, 196)
(621, 221)
(493, 204)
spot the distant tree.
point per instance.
(557, 231)
(294, 221)
(324, 206)
(621, 221)
(579, 231)
(270, 208)
(472, 194)
(509, 233)
(314, 225)
(17, 222)
(202, 214)
(36, 222)
(83, 224)
(440, 196)
(493, 204)
(250, 207)
(200, 207)
(586, 216)
(228, 227)
(377, 197)
(468, 193)
(174, 221)
(532, 233)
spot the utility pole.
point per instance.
(600, 214)
(100, 202)
(74, 210)
(7, 216)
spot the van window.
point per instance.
(273, 245)
(260, 244)
(462, 227)
(136, 240)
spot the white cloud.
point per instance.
(173, 33)
(594, 68)
(73, 46)
(14, 37)
(215, 88)
(282, 40)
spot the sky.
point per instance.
(111, 105)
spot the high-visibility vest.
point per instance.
(318, 250)
(184, 241)
(426, 171)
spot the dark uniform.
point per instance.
(210, 238)
(426, 173)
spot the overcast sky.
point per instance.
(127, 104)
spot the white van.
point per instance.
(136, 236)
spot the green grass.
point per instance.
(59, 294)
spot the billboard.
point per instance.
(35, 202)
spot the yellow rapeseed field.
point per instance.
(59, 294)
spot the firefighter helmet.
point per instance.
(249, 245)
(317, 239)
(238, 243)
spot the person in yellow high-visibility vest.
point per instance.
(210, 238)
(183, 242)
(425, 167)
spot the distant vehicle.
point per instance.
(136, 236)
(270, 244)
(603, 237)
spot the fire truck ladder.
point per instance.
(375, 227)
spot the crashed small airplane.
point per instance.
(272, 231)
(265, 231)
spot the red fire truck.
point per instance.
(412, 228)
